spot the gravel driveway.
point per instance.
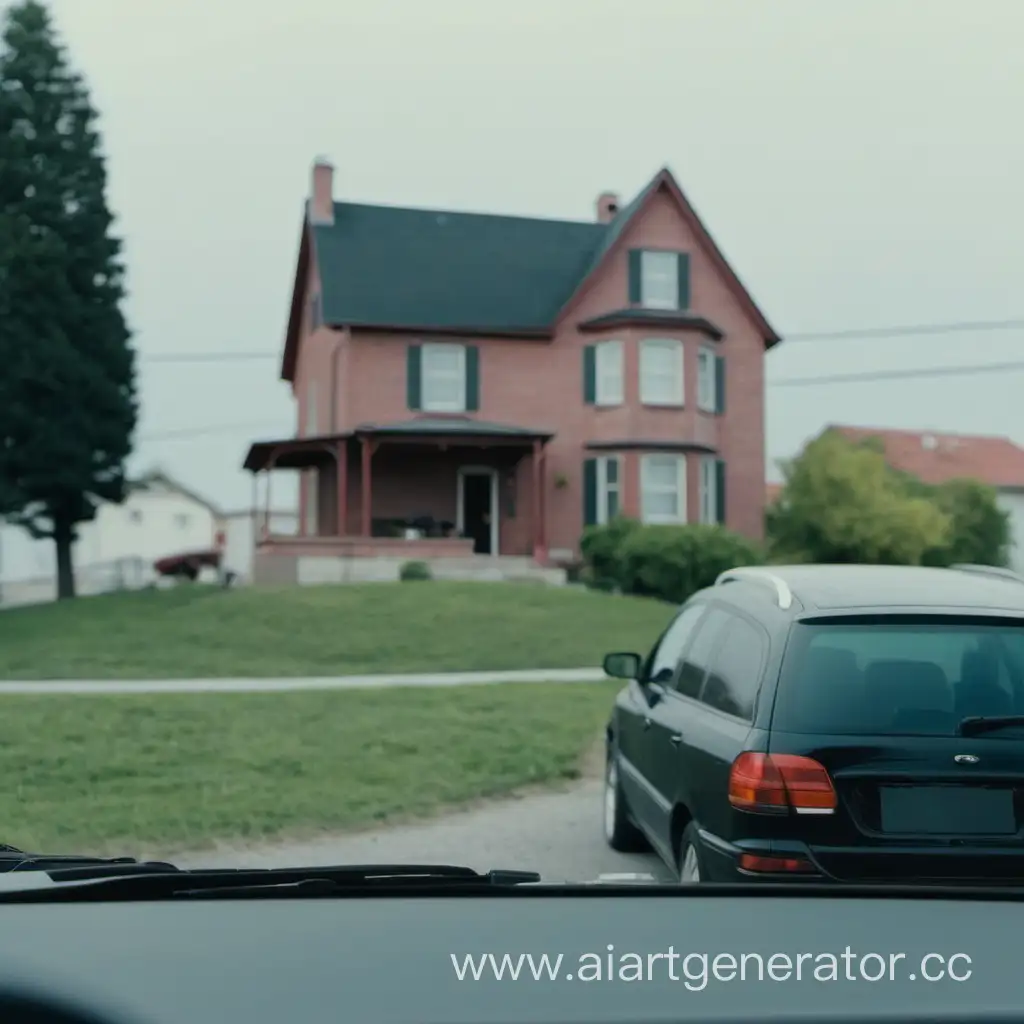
(556, 833)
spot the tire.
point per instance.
(691, 870)
(619, 832)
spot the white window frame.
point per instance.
(659, 279)
(707, 369)
(605, 488)
(430, 375)
(653, 389)
(647, 462)
(609, 373)
(709, 489)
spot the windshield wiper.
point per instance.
(13, 859)
(977, 725)
(156, 881)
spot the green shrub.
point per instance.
(415, 571)
(673, 562)
(601, 547)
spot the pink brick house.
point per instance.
(477, 384)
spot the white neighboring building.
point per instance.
(240, 530)
(159, 517)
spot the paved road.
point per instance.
(94, 686)
(558, 834)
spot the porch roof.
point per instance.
(305, 452)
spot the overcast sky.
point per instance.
(861, 165)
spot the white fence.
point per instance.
(98, 578)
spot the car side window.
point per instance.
(698, 656)
(661, 665)
(732, 684)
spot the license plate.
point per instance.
(947, 810)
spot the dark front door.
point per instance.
(476, 511)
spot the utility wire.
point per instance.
(912, 330)
(914, 373)
(957, 370)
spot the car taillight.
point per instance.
(779, 782)
(775, 865)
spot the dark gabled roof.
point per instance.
(387, 267)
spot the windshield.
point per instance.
(893, 678)
(343, 438)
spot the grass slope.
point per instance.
(166, 772)
(198, 632)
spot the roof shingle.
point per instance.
(937, 458)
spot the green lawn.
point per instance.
(152, 773)
(204, 631)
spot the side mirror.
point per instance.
(622, 665)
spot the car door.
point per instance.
(674, 721)
(727, 700)
(635, 726)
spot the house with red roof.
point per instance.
(477, 387)
(937, 458)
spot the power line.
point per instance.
(206, 357)
(963, 369)
(906, 331)
(223, 428)
(952, 327)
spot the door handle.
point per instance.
(675, 739)
(647, 724)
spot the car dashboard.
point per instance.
(437, 960)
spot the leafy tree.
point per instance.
(843, 504)
(67, 392)
(980, 531)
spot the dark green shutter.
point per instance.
(472, 378)
(720, 491)
(414, 377)
(590, 492)
(589, 375)
(683, 267)
(720, 385)
(635, 257)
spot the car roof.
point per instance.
(828, 588)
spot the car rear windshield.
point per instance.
(888, 676)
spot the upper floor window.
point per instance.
(659, 279)
(661, 371)
(443, 378)
(663, 488)
(603, 373)
(710, 382)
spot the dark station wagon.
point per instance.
(838, 723)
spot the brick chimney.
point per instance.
(607, 207)
(321, 205)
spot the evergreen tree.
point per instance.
(67, 371)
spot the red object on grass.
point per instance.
(188, 564)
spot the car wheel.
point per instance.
(619, 832)
(691, 860)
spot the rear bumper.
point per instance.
(930, 865)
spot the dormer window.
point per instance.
(659, 279)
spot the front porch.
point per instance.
(461, 495)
